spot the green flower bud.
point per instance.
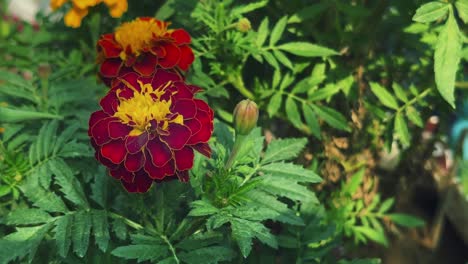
(245, 116)
(243, 25)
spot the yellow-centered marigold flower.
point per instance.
(81, 7)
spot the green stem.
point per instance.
(238, 83)
(171, 248)
(235, 150)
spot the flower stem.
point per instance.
(235, 150)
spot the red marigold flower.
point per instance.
(148, 129)
(142, 45)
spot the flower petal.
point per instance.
(184, 158)
(185, 107)
(110, 67)
(178, 136)
(109, 103)
(158, 173)
(95, 117)
(120, 173)
(134, 162)
(181, 36)
(146, 64)
(203, 148)
(110, 48)
(186, 58)
(172, 56)
(140, 184)
(159, 152)
(162, 77)
(135, 144)
(204, 134)
(194, 125)
(114, 151)
(183, 176)
(118, 130)
(100, 131)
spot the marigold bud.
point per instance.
(243, 25)
(245, 116)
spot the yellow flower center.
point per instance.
(146, 105)
(140, 35)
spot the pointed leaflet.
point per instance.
(27, 216)
(262, 32)
(462, 9)
(306, 49)
(431, 11)
(284, 149)
(207, 255)
(63, 230)
(384, 96)
(292, 112)
(81, 231)
(311, 120)
(402, 129)
(100, 229)
(275, 104)
(446, 59)
(278, 30)
(331, 116)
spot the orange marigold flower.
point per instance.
(148, 129)
(143, 45)
(80, 9)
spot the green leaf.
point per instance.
(352, 185)
(406, 220)
(65, 136)
(384, 96)
(70, 186)
(324, 93)
(63, 232)
(213, 254)
(242, 9)
(202, 208)
(81, 231)
(462, 9)
(46, 200)
(401, 129)
(283, 59)
(430, 12)
(317, 76)
(262, 32)
(331, 116)
(278, 30)
(386, 205)
(306, 49)
(413, 116)
(285, 214)
(284, 149)
(10, 115)
(99, 188)
(291, 172)
(399, 92)
(292, 112)
(311, 120)
(375, 235)
(141, 252)
(27, 216)
(243, 231)
(270, 59)
(446, 59)
(275, 104)
(100, 229)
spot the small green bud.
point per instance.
(245, 116)
(243, 25)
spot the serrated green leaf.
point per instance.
(65, 136)
(202, 208)
(100, 229)
(413, 116)
(278, 30)
(46, 200)
(200, 240)
(119, 228)
(270, 59)
(292, 112)
(375, 235)
(284, 149)
(11, 115)
(69, 184)
(462, 9)
(383, 95)
(27, 216)
(274, 104)
(311, 120)
(63, 232)
(266, 200)
(331, 116)
(242, 9)
(401, 129)
(386, 205)
(213, 254)
(399, 92)
(352, 185)
(430, 12)
(306, 49)
(446, 59)
(141, 252)
(283, 187)
(324, 93)
(291, 172)
(262, 32)
(243, 231)
(81, 231)
(406, 220)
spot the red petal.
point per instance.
(172, 56)
(109, 103)
(100, 131)
(114, 151)
(184, 158)
(158, 173)
(193, 124)
(134, 162)
(183, 176)
(104, 161)
(159, 152)
(130, 78)
(181, 36)
(120, 173)
(183, 92)
(204, 134)
(158, 51)
(162, 77)
(141, 183)
(135, 144)
(146, 64)
(118, 130)
(178, 136)
(95, 117)
(186, 58)
(110, 48)
(110, 67)
(185, 107)
(203, 148)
